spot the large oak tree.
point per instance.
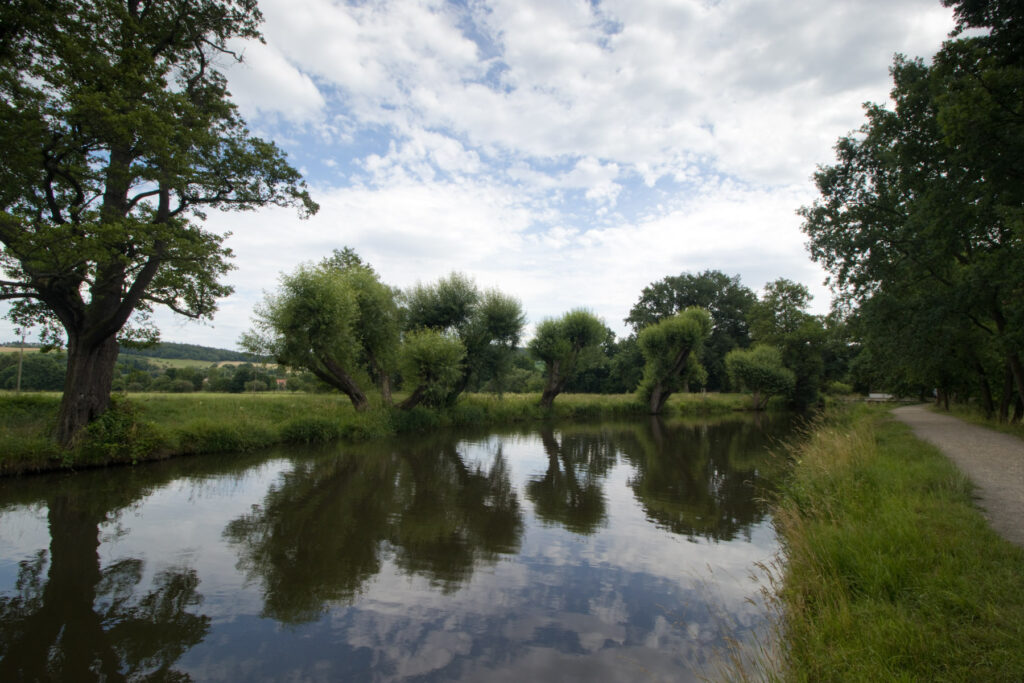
(117, 132)
(925, 202)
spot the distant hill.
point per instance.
(170, 350)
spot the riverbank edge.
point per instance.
(149, 427)
(888, 569)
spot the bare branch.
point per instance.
(173, 305)
(133, 202)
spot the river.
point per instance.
(606, 552)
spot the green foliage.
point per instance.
(761, 371)
(39, 372)
(119, 435)
(559, 344)
(780, 319)
(311, 429)
(188, 424)
(196, 352)
(339, 322)
(727, 300)
(118, 135)
(838, 389)
(488, 324)
(377, 324)
(417, 419)
(670, 350)
(431, 362)
(780, 311)
(919, 221)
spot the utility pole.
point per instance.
(21, 359)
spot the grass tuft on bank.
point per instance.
(890, 572)
(143, 427)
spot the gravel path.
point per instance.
(992, 460)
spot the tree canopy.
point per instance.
(335, 319)
(923, 210)
(118, 134)
(558, 343)
(488, 323)
(670, 349)
(727, 300)
(760, 370)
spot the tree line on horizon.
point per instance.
(338, 321)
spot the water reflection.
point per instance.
(702, 480)
(320, 533)
(571, 552)
(570, 491)
(72, 619)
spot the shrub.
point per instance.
(311, 430)
(416, 419)
(118, 435)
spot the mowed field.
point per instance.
(159, 362)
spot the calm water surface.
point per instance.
(613, 552)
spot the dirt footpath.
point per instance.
(992, 460)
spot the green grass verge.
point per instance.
(154, 426)
(976, 415)
(890, 571)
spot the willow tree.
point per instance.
(117, 133)
(558, 342)
(333, 320)
(670, 349)
(728, 300)
(432, 365)
(760, 370)
(488, 323)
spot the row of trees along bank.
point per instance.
(337, 320)
(119, 133)
(921, 220)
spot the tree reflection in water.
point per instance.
(701, 480)
(438, 508)
(569, 492)
(325, 528)
(73, 620)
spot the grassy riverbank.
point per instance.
(974, 414)
(154, 426)
(890, 572)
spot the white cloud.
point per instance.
(267, 83)
(569, 153)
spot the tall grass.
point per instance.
(153, 426)
(974, 413)
(890, 573)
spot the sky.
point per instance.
(566, 152)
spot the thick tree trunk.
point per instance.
(986, 391)
(415, 398)
(552, 387)
(86, 386)
(547, 399)
(659, 396)
(336, 376)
